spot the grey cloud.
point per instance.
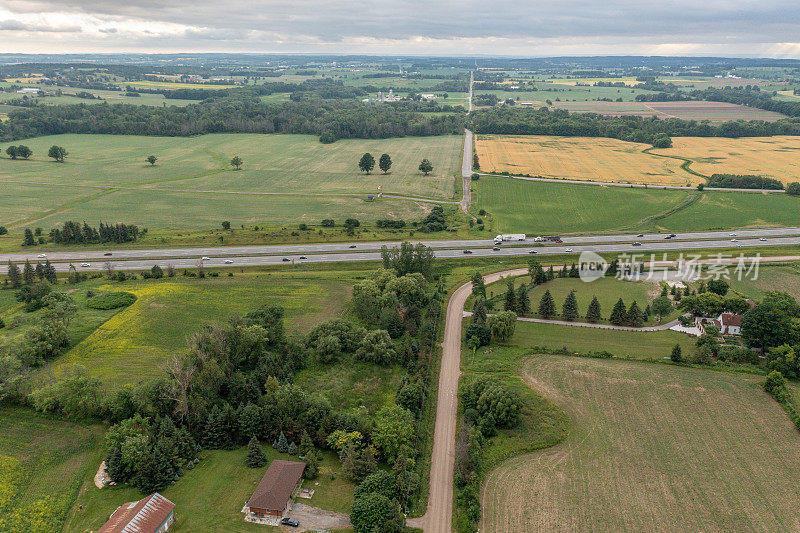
(15, 25)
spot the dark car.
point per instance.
(107, 253)
(303, 257)
(352, 246)
(467, 252)
(285, 259)
(496, 249)
(290, 522)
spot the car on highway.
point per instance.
(734, 240)
(637, 243)
(288, 521)
(763, 239)
(496, 249)
(352, 246)
(285, 259)
(732, 235)
(84, 265)
(303, 257)
(532, 252)
(206, 258)
(467, 252)
(228, 261)
(569, 250)
(107, 253)
(640, 235)
(41, 256)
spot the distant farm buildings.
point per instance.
(153, 514)
(28, 90)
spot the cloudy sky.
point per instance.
(765, 28)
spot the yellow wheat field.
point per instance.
(775, 157)
(579, 158)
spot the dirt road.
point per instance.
(438, 517)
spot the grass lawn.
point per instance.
(784, 278)
(132, 345)
(43, 463)
(351, 384)
(210, 497)
(650, 445)
(198, 167)
(553, 208)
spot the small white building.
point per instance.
(727, 323)
(28, 90)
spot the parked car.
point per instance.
(467, 252)
(84, 265)
(228, 261)
(287, 521)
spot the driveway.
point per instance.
(316, 519)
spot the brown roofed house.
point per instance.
(153, 514)
(273, 494)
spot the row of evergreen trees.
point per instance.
(29, 274)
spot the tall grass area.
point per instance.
(43, 463)
(134, 343)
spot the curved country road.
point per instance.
(439, 514)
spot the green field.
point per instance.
(210, 497)
(43, 463)
(544, 207)
(650, 447)
(202, 189)
(134, 343)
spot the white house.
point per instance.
(727, 323)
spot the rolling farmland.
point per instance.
(775, 157)
(579, 158)
(650, 446)
(689, 110)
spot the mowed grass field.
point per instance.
(775, 157)
(537, 207)
(651, 448)
(193, 185)
(43, 463)
(133, 345)
(579, 158)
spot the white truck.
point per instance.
(509, 237)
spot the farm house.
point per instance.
(273, 495)
(153, 514)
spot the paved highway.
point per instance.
(656, 240)
(321, 253)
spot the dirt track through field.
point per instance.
(438, 517)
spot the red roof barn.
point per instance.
(152, 514)
(273, 494)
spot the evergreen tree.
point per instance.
(28, 240)
(50, 272)
(292, 450)
(593, 313)
(686, 290)
(613, 268)
(676, 356)
(635, 318)
(478, 286)
(479, 312)
(510, 300)
(664, 290)
(14, 275)
(72, 277)
(619, 314)
(283, 444)
(213, 432)
(569, 311)
(563, 272)
(306, 446)
(573, 271)
(39, 270)
(523, 302)
(547, 307)
(312, 465)
(28, 274)
(115, 466)
(256, 457)
(701, 287)
(550, 274)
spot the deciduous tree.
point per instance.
(366, 163)
(385, 163)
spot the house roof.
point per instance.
(730, 319)
(144, 516)
(277, 485)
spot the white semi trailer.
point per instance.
(509, 237)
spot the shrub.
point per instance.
(111, 300)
